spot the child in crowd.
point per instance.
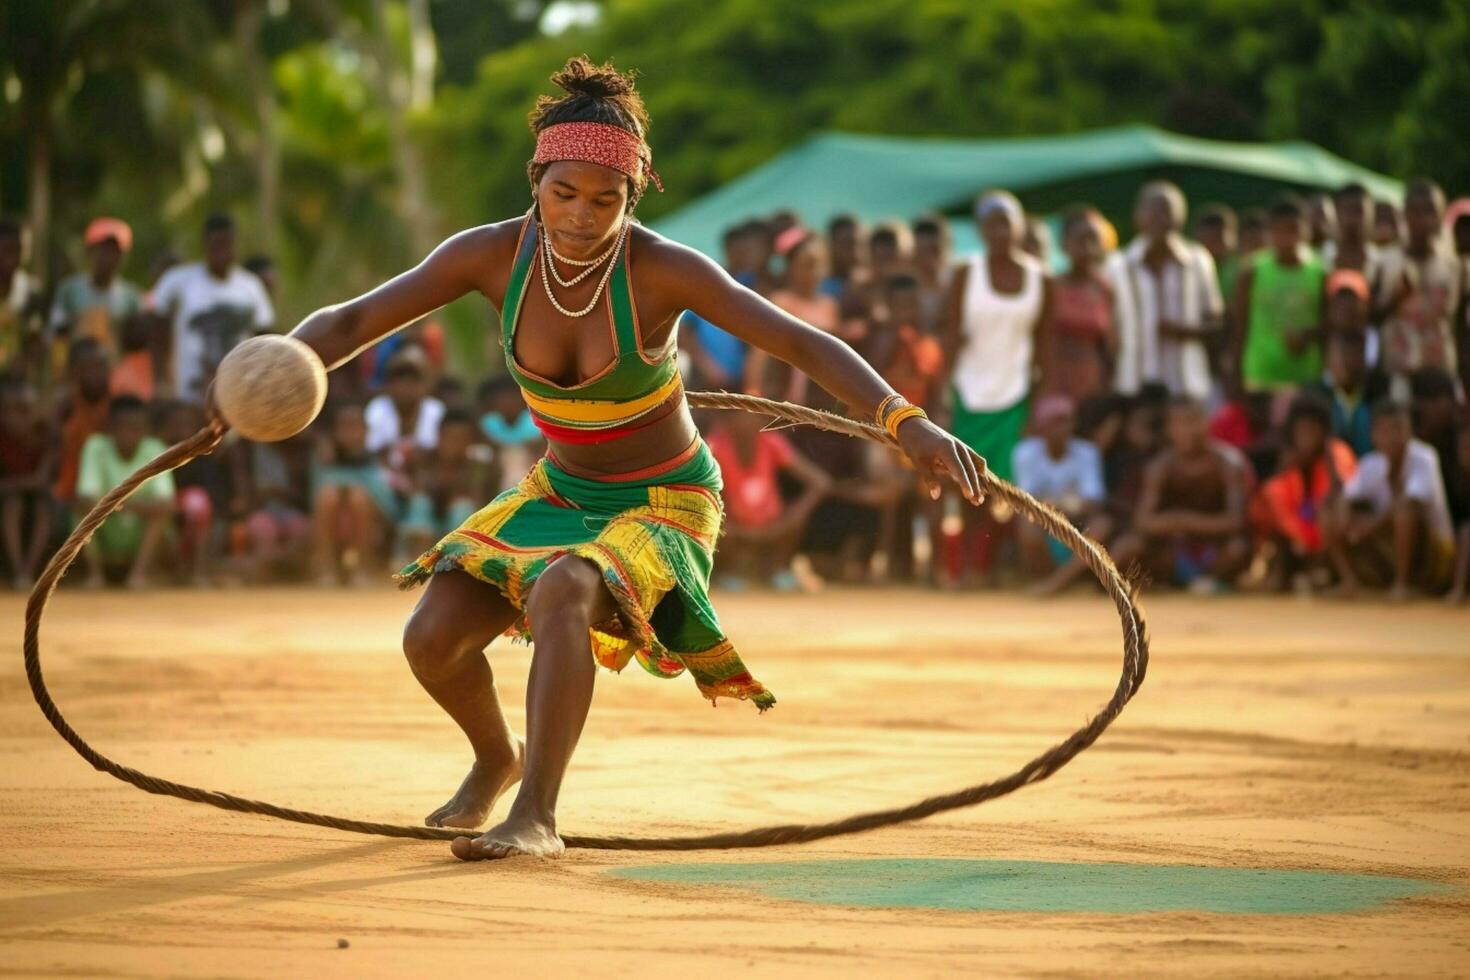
(1190, 526)
(273, 497)
(450, 483)
(203, 491)
(27, 458)
(1059, 469)
(1278, 309)
(83, 410)
(761, 532)
(1295, 502)
(351, 499)
(1392, 526)
(134, 539)
(506, 424)
(1349, 386)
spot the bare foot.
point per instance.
(1402, 592)
(515, 836)
(138, 582)
(472, 802)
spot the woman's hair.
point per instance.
(597, 94)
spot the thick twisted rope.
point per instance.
(1135, 663)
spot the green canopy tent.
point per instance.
(880, 177)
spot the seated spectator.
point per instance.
(452, 394)
(449, 484)
(404, 420)
(1296, 500)
(135, 537)
(83, 410)
(506, 424)
(134, 372)
(1127, 454)
(761, 532)
(27, 458)
(202, 492)
(351, 499)
(1277, 308)
(270, 506)
(1059, 469)
(1246, 423)
(1190, 527)
(1392, 527)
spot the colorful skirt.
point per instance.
(651, 532)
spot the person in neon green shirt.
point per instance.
(135, 535)
(1278, 304)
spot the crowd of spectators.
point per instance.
(1275, 401)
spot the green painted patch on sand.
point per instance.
(1046, 886)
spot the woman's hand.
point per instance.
(936, 454)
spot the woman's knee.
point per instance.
(432, 643)
(569, 591)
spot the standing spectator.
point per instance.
(1190, 526)
(1278, 303)
(98, 302)
(718, 356)
(507, 426)
(1066, 472)
(27, 458)
(1178, 297)
(1354, 248)
(1392, 526)
(762, 532)
(212, 305)
(1037, 243)
(263, 267)
(352, 503)
(1388, 224)
(449, 484)
(134, 537)
(1420, 332)
(1253, 223)
(1321, 215)
(933, 267)
(802, 297)
(1296, 500)
(1218, 230)
(845, 243)
(907, 354)
(1083, 341)
(83, 410)
(18, 300)
(1000, 302)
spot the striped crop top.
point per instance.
(612, 403)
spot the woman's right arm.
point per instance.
(458, 266)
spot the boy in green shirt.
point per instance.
(134, 535)
(1278, 308)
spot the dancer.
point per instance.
(603, 551)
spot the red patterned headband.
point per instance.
(600, 143)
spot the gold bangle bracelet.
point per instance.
(883, 406)
(901, 415)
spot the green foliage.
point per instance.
(140, 96)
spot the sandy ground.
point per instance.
(1270, 735)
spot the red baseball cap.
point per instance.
(101, 229)
(1350, 279)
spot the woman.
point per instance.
(802, 297)
(606, 544)
(997, 306)
(1081, 341)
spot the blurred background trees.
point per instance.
(347, 136)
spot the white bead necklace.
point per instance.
(591, 264)
(612, 255)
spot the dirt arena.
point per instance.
(1272, 738)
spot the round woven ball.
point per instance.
(270, 388)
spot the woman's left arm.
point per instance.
(693, 282)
